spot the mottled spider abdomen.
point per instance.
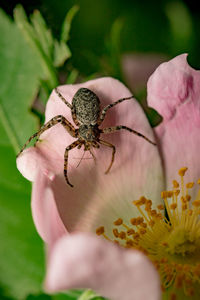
(86, 106)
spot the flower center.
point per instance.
(169, 236)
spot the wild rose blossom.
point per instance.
(86, 261)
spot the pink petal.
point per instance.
(85, 261)
(44, 211)
(96, 199)
(137, 67)
(40, 159)
(174, 91)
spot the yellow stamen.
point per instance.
(182, 171)
(118, 222)
(189, 185)
(100, 230)
(172, 242)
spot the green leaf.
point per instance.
(21, 250)
(43, 34)
(61, 53)
(90, 295)
(68, 295)
(114, 48)
(72, 76)
(181, 25)
(61, 50)
(153, 116)
(67, 23)
(39, 297)
(19, 77)
(32, 38)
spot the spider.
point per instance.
(87, 116)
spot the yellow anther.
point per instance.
(196, 203)
(133, 221)
(189, 185)
(188, 197)
(151, 223)
(183, 200)
(136, 202)
(167, 239)
(130, 231)
(100, 230)
(164, 194)
(177, 192)
(161, 207)
(136, 236)
(159, 216)
(118, 222)
(153, 213)
(144, 225)
(129, 243)
(169, 194)
(190, 212)
(122, 235)
(140, 220)
(149, 203)
(198, 181)
(116, 232)
(175, 184)
(140, 202)
(182, 171)
(173, 206)
(184, 206)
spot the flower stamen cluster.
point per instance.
(168, 235)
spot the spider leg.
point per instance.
(58, 119)
(69, 105)
(93, 156)
(105, 143)
(62, 98)
(116, 128)
(104, 111)
(71, 146)
(74, 116)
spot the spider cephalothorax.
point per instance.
(87, 116)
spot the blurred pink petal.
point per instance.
(174, 91)
(85, 261)
(96, 198)
(137, 67)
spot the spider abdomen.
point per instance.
(86, 106)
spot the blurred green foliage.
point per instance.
(57, 42)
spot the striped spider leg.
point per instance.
(116, 128)
(56, 120)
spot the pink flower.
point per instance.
(80, 259)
